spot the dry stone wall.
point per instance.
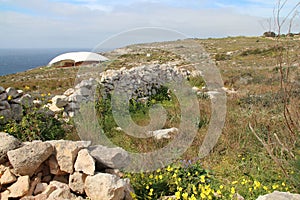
(11, 102)
(137, 82)
(61, 169)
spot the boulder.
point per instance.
(3, 96)
(69, 91)
(105, 157)
(19, 188)
(85, 162)
(13, 92)
(60, 100)
(163, 133)
(16, 111)
(279, 196)
(39, 188)
(2, 90)
(4, 105)
(26, 100)
(7, 177)
(66, 153)
(4, 195)
(5, 116)
(54, 167)
(104, 187)
(7, 143)
(76, 182)
(28, 158)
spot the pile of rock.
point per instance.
(137, 82)
(141, 81)
(11, 101)
(61, 170)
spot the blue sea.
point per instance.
(18, 60)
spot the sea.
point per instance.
(18, 60)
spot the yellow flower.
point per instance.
(192, 197)
(185, 195)
(221, 187)
(158, 170)
(151, 176)
(194, 189)
(179, 179)
(257, 184)
(49, 93)
(283, 183)
(1, 117)
(160, 177)
(27, 87)
(202, 179)
(232, 190)
(133, 195)
(42, 95)
(151, 192)
(177, 195)
(147, 187)
(169, 168)
(179, 189)
(234, 182)
(9, 98)
(219, 192)
(202, 195)
(265, 188)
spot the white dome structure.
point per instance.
(78, 57)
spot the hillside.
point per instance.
(260, 139)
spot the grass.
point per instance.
(239, 160)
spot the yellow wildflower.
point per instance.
(232, 190)
(185, 195)
(151, 192)
(9, 98)
(160, 177)
(202, 179)
(177, 195)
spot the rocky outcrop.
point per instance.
(60, 169)
(11, 102)
(7, 143)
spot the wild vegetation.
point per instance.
(258, 151)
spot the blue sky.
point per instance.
(86, 23)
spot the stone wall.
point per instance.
(11, 101)
(137, 82)
(61, 169)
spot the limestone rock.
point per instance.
(69, 91)
(26, 100)
(17, 111)
(7, 143)
(2, 90)
(7, 177)
(60, 100)
(3, 96)
(5, 116)
(85, 162)
(4, 105)
(66, 152)
(279, 196)
(54, 167)
(4, 195)
(76, 182)
(39, 188)
(163, 133)
(13, 92)
(28, 158)
(104, 187)
(115, 158)
(19, 188)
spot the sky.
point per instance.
(92, 23)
